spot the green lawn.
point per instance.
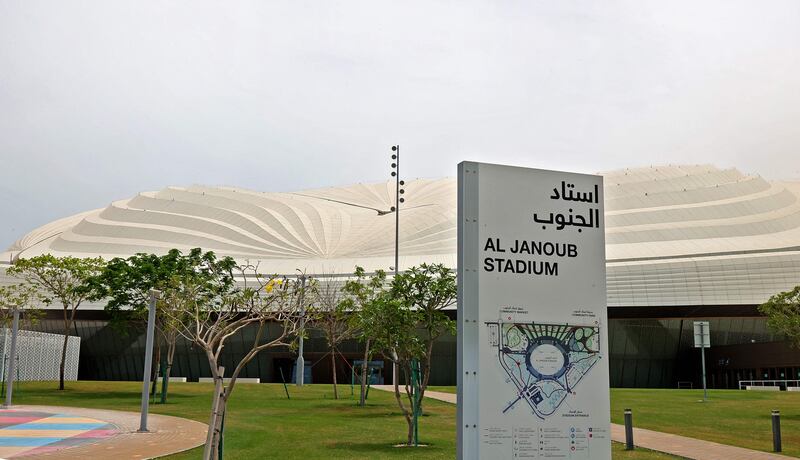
(442, 389)
(262, 423)
(740, 418)
(618, 452)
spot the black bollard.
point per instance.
(628, 430)
(776, 430)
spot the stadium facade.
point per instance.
(683, 243)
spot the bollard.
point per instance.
(628, 430)
(776, 430)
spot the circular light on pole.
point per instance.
(394, 173)
(394, 157)
(394, 148)
(402, 200)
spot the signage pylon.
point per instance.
(532, 318)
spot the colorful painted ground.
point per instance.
(25, 433)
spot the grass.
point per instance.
(618, 452)
(739, 418)
(262, 423)
(442, 389)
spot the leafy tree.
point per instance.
(65, 279)
(126, 284)
(403, 321)
(214, 309)
(394, 334)
(21, 297)
(361, 295)
(427, 290)
(783, 314)
(332, 318)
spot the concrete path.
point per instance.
(689, 447)
(654, 440)
(168, 435)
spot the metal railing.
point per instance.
(785, 383)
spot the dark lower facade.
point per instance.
(654, 348)
(648, 347)
(108, 353)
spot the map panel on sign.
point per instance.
(544, 362)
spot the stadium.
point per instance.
(683, 243)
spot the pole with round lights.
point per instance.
(414, 363)
(396, 208)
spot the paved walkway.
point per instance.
(26, 432)
(654, 440)
(49, 432)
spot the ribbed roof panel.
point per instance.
(676, 235)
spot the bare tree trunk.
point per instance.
(406, 413)
(209, 452)
(222, 406)
(63, 360)
(426, 374)
(63, 365)
(364, 367)
(154, 370)
(333, 369)
(171, 354)
(410, 431)
(171, 345)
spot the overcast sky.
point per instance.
(102, 99)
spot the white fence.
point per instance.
(39, 355)
(227, 380)
(768, 384)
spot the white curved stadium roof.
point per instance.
(675, 235)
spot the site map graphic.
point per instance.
(544, 362)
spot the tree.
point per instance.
(361, 295)
(394, 333)
(332, 318)
(126, 284)
(404, 321)
(214, 309)
(66, 279)
(20, 297)
(428, 290)
(783, 314)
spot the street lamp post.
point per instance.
(12, 361)
(148, 359)
(396, 208)
(300, 364)
(397, 200)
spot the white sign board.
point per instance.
(702, 334)
(532, 318)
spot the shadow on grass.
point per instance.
(376, 447)
(356, 412)
(76, 395)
